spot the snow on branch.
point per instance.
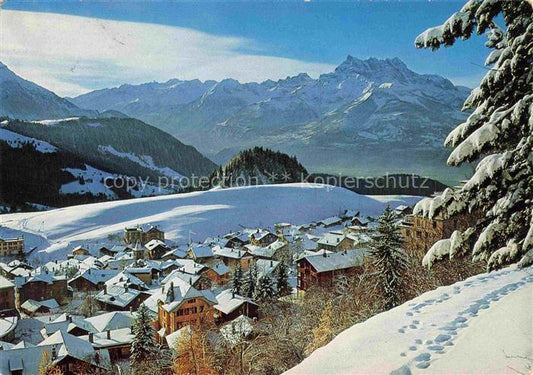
(438, 251)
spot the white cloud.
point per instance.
(71, 55)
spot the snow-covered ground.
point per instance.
(482, 325)
(205, 214)
(16, 140)
(143, 160)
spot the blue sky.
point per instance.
(283, 37)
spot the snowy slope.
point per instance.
(16, 140)
(209, 213)
(482, 325)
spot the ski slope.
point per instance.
(199, 214)
(482, 325)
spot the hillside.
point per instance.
(200, 214)
(367, 118)
(36, 172)
(481, 325)
(25, 100)
(121, 145)
(259, 166)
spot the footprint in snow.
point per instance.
(423, 357)
(422, 365)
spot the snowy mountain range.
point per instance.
(108, 138)
(25, 100)
(367, 117)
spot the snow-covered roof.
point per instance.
(74, 347)
(182, 291)
(325, 262)
(227, 301)
(124, 278)
(67, 323)
(117, 337)
(96, 276)
(5, 283)
(178, 253)
(42, 276)
(201, 251)
(259, 235)
(32, 305)
(220, 268)
(260, 251)
(118, 296)
(187, 277)
(111, 320)
(331, 221)
(228, 252)
(332, 239)
(152, 244)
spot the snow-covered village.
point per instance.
(206, 189)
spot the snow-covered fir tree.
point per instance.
(498, 134)
(282, 280)
(265, 290)
(143, 347)
(250, 281)
(390, 259)
(237, 284)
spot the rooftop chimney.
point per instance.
(108, 334)
(105, 288)
(91, 337)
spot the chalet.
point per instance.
(420, 233)
(236, 240)
(70, 354)
(11, 246)
(145, 274)
(200, 253)
(155, 249)
(120, 261)
(15, 268)
(330, 222)
(169, 265)
(234, 257)
(359, 221)
(403, 210)
(31, 307)
(218, 273)
(349, 214)
(335, 241)
(143, 234)
(322, 268)
(80, 250)
(278, 250)
(7, 297)
(356, 229)
(180, 304)
(262, 238)
(120, 298)
(197, 281)
(42, 286)
(125, 279)
(71, 324)
(230, 306)
(92, 279)
(117, 342)
(174, 254)
(114, 250)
